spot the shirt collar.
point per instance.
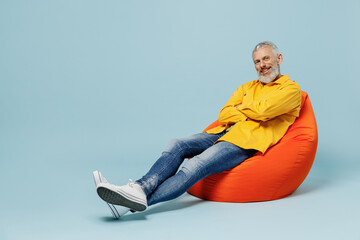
(281, 80)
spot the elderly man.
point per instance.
(255, 118)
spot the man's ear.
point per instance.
(279, 58)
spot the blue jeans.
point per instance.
(164, 182)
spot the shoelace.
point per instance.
(135, 185)
(131, 182)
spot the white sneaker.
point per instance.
(98, 178)
(131, 195)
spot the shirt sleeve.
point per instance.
(275, 103)
(229, 114)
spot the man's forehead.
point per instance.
(263, 51)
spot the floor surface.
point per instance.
(60, 202)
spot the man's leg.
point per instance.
(173, 156)
(134, 195)
(218, 158)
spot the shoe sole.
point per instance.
(121, 198)
(114, 211)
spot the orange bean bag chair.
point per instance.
(276, 174)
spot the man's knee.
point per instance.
(175, 144)
(195, 165)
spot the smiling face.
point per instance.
(267, 64)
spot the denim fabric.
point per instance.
(164, 182)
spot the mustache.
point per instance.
(264, 68)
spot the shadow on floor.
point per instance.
(174, 205)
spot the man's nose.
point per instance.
(262, 64)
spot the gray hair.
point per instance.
(267, 44)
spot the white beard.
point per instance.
(274, 73)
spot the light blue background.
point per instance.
(88, 85)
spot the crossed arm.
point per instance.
(270, 105)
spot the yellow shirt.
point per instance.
(259, 115)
